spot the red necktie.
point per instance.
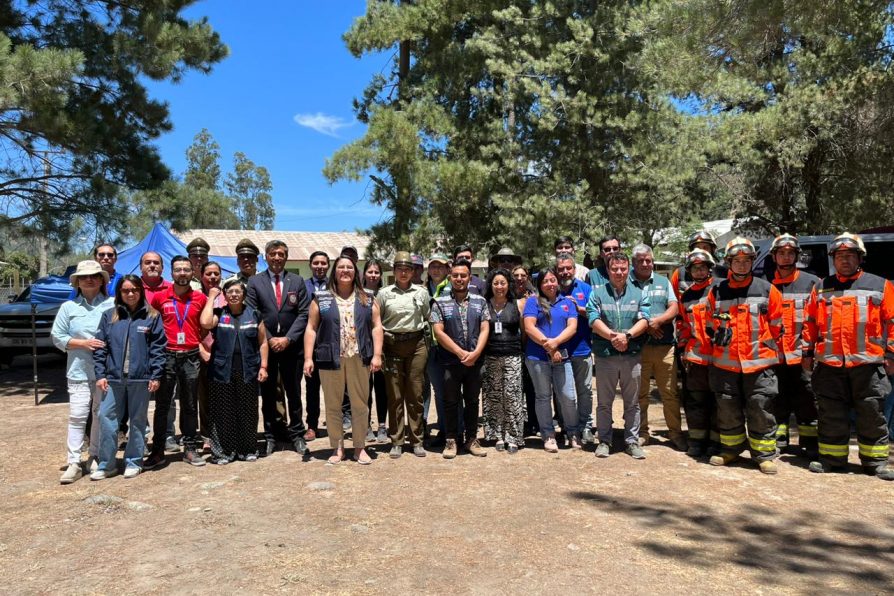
(278, 290)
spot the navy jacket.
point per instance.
(328, 344)
(146, 339)
(225, 337)
(290, 318)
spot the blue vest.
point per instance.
(453, 326)
(225, 337)
(328, 345)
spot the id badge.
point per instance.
(498, 327)
(181, 338)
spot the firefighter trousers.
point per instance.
(839, 390)
(700, 406)
(796, 397)
(746, 398)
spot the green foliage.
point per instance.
(249, 186)
(76, 122)
(516, 121)
(200, 201)
(796, 97)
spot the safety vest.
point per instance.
(852, 321)
(692, 322)
(752, 310)
(798, 291)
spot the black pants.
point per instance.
(796, 397)
(700, 406)
(462, 384)
(181, 373)
(746, 398)
(312, 399)
(862, 389)
(284, 365)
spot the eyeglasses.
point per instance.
(612, 249)
(105, 255)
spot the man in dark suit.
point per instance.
(282, 300)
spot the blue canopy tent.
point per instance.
(161, 240)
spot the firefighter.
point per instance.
(849, 332)
(695, 349)
(701, 240)
(745, 325)
(796, 397)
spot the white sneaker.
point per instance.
(103, 474)
(131, 471)
(94, 465)
(71, 473)
(550, 445)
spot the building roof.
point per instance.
(301, 244)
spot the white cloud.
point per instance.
(322, 123)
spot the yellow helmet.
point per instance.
(699, 256)
(785, 240)
(847, 241)
(702, 236)
(739, 246)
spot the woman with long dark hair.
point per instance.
(504, 400)
(128, 369)
(550, 322)
(344, 341)
(372, 280)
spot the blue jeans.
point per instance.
(582, 367)
(889, 409)
(548, 377)
(123, 396)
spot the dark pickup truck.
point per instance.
(48, 294)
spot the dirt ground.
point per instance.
(531, 522)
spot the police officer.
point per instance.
(850, 334)
(745, 323)
(197, 250)
(247, 259)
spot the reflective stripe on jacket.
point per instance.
(692, 323)
(852, 321)
(752, 310)
(798, 291)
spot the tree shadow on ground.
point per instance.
(798, 542)
(17, 380)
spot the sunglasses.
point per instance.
(105, 255)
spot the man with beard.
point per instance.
(180, 308)
(579, 346)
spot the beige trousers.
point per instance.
(658, 361)
(356, 377)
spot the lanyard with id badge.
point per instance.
(181, 336)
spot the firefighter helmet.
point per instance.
(785, 241)
(699, 256)
(702, 236)
(739, 246)
(847, 241)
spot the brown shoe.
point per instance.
(310, 435)
(449, 449)
(474, 447)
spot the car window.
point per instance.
(880, 259)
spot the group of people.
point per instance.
(750, 352)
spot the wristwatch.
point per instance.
(629, 337)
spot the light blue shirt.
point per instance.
(79, 319)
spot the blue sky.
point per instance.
(283, 97)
